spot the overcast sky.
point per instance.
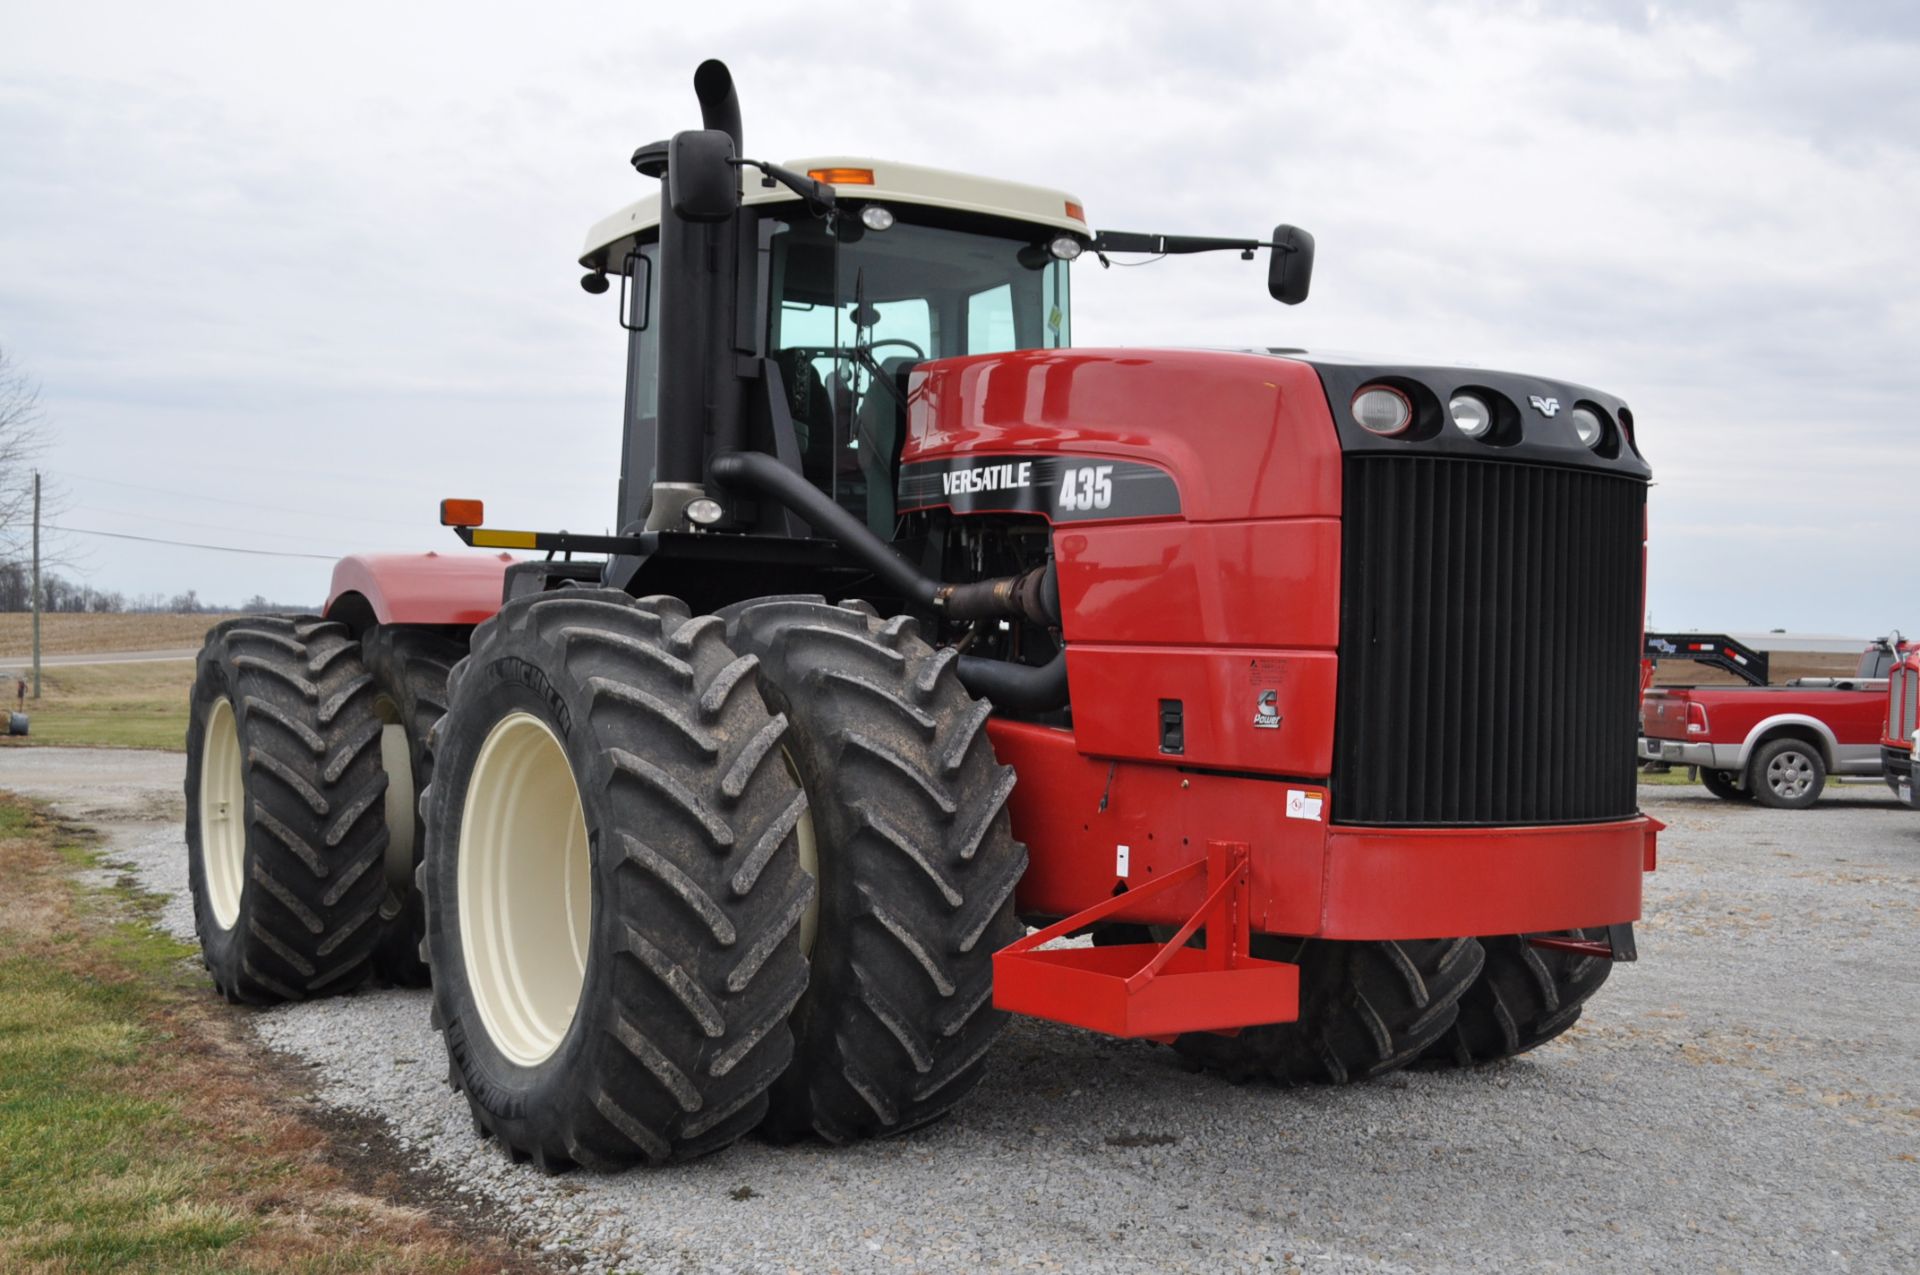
(288, 276)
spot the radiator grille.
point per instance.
(1489, 643)
(1903, 704)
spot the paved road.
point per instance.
(1745, 1098)
(15, 663)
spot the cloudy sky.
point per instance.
(288, 276)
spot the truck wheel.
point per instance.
(1524, 997)
(916, 862)
(613, 883)
(1787, 774)
(284, 828)
(1725, 784)
(409, 667)
(1365, 1008)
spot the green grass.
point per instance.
(137, 1131)
(1675, 778)
(112, 706)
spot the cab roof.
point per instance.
(893, 182)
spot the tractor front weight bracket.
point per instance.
(1155, 990)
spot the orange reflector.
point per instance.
(1076, 212)
(842, 176)
(462, 513)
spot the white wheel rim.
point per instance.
(223, 822)
(396, 758)
(525, 887)
(809, 849)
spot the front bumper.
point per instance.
(1896, 767)
(1095, 826)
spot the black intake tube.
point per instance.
(1025, 688)
(1021, 687)
(761, 473)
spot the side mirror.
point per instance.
(1290, 268)
(702, 183)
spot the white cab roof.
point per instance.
(892, 183)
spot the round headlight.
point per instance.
(1065, 247)
(874, 217)
(1471, 414)
(1587, 426)
(704, 511)
(1382, 410)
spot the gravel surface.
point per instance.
(1747, 1097)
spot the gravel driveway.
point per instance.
(1747, 1097)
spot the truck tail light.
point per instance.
(1696, 719)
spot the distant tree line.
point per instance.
(58, 594)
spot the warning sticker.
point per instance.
(1305, 803)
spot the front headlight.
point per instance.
(1471, 415)
(1382, 410)
(1588, 427)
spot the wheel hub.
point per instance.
(223, 815)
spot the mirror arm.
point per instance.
(819, 196)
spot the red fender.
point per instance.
(417, 588)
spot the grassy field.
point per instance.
(84, 634)
(110, 705)
(139, 1128)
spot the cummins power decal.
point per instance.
(1064, 488)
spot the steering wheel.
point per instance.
(918, 353)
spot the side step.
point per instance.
(1151, 990)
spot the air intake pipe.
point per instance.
(1033, 595)
(719, 104)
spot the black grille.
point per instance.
(1489, 643)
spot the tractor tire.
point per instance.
(1366, 1008)
(285, 834)
(612, 883)
(1524, 997)
(916, 862)
(410, 667)
(1724, 784)
(1787, 774)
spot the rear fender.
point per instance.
(417, 588)
(1792, 724)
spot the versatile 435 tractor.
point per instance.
(1317, 678)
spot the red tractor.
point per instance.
(1305, 686)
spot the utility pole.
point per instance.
(36, 584)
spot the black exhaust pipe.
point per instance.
(719, 104)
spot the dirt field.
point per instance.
(82, 634)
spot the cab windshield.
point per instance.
(853, 313)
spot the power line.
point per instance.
(216, 526)
(201, 497)
(188, 544)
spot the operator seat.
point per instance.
(881, 427)
(812, 410)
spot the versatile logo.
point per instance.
(987, 478)
(1545, 406)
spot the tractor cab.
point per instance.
(911, 264)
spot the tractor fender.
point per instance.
(416, 588)
(1792, 724)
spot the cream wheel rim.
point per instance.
(525, 888)
(223, 824)
(809, 848)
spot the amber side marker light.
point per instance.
(842, 176)
(462, 513)
(1076, 212)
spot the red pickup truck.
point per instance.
(1774, 744)
(1901, 728)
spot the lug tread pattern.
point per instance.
(411, 667)
(695, 962)
(297, 690)
(1524, 997)
(919, 866)
(1366, 1008)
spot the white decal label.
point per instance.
(1304, 803)
(987, 478)
(1121, 854)
(1088, 487)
